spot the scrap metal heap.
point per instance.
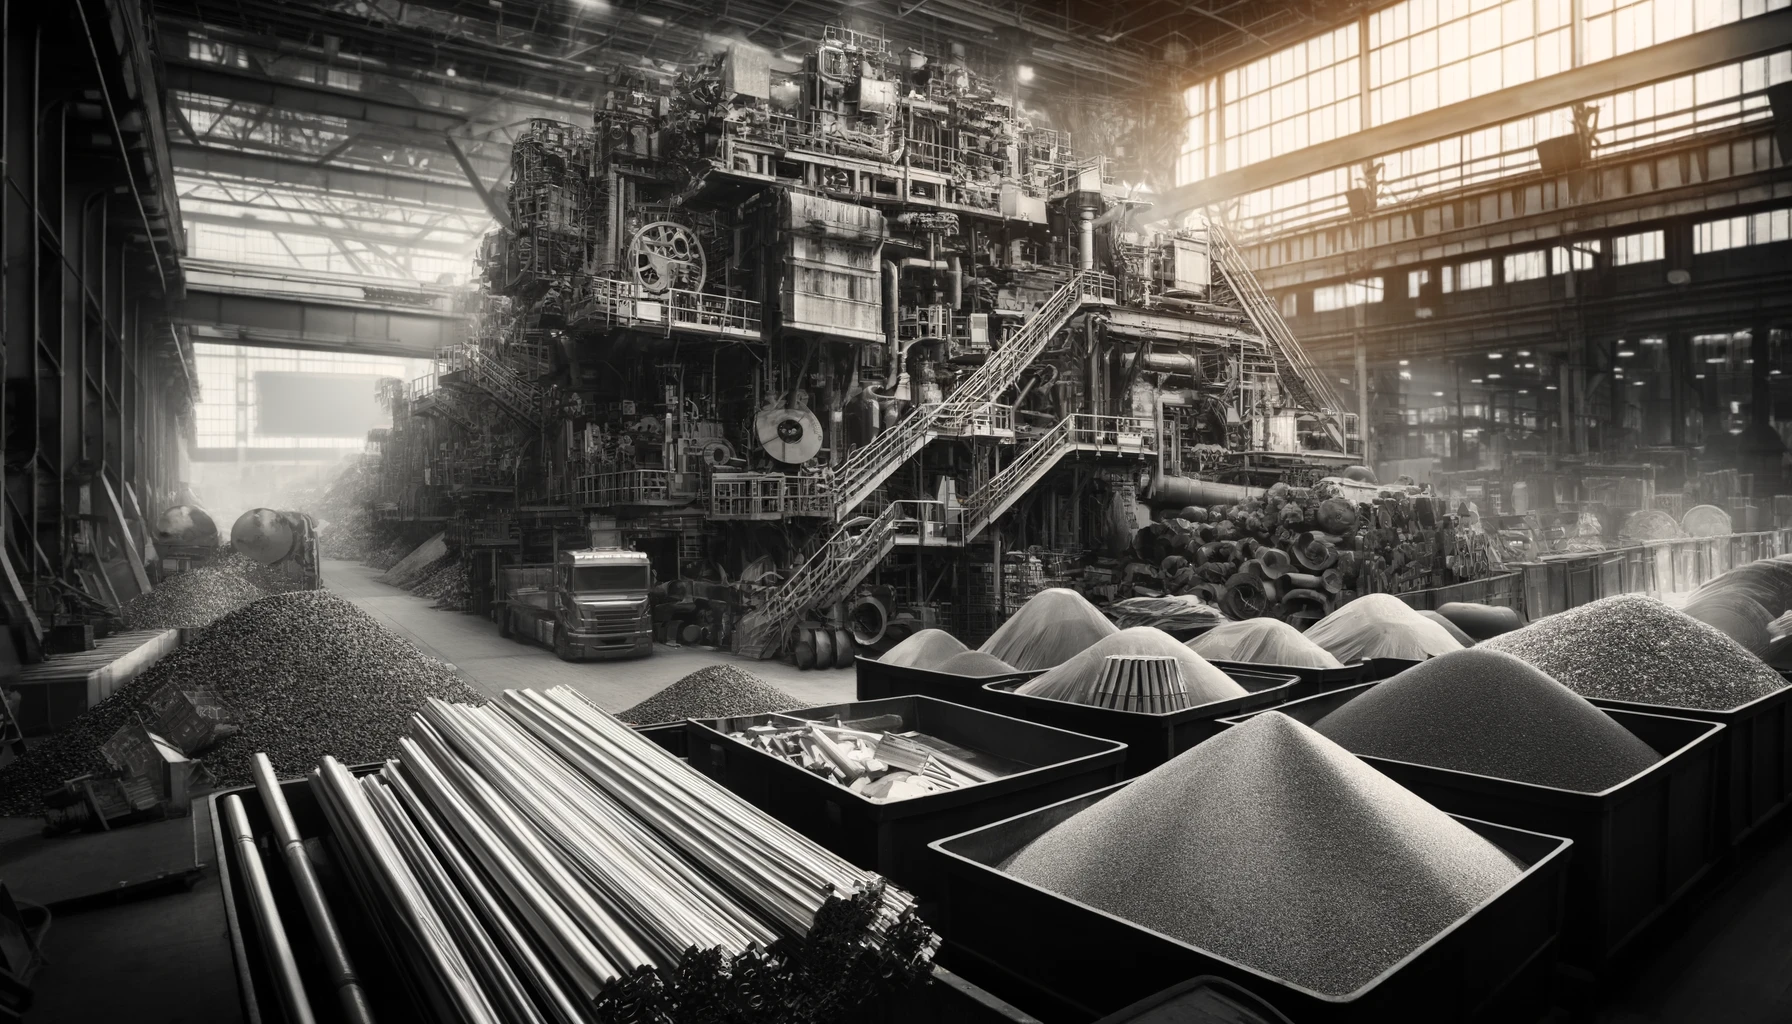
(779, 328)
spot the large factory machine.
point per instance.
(817, 334)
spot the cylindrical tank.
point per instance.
(268, 535)
(186, 526)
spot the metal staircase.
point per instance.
(521, 398)
(837, 567)
(871, 465)
(1128, 436)
(1299, 377)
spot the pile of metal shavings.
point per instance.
(928, 649)
(1078, 679)
(719, 691)
(1489, 713)
(878, 758)
(1380, 626)
(1275, 847)
(1262, 641)
(1635, 648)
(1051, 628)
(305, 674)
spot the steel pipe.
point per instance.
(266, 912)
(330, 947)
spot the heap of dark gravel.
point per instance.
(1489, 713)
(305, 674)
(719, 691)
(1273, 846)
(195, 597)
(1634, 648)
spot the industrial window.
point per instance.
(228, 414)
(1613, 28)
(1525, 266)
(1425, 54)
(1297, 97)
(1577, 255)
(1346, 295)
(1478, 274)
(1736, 232)
(1291, 304)
(1642, 248)
(1416, 279)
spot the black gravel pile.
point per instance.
(195, 597)
(305, 674)
(719, 691)
(389, 554)
(1635, 648)
(1273, 846)
(1489, 713)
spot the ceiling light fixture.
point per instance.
(1023, 73)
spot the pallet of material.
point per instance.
(62, 686)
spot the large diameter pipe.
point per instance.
(330, 947)
(266, 912)
(1182, 491)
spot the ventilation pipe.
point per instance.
(1088, 239)
(957, 283)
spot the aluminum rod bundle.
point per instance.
(266, 912)
(538, 862)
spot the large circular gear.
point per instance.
(665, 255)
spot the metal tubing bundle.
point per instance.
(1137, 682)
(537, 861)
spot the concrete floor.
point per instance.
(492, 663)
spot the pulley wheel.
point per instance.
(824, 649)
(692, 633)
(844, 649)
(805, 656)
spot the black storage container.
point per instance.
(1068, 962)
(1312, 680)
(878, 681)
(1638, 846)
(668, 736)
(949, 999)
(1151, 738)
(891, 838)
(1754, 759)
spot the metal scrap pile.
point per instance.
(447, 586)
(1298, 553)
(305, 674)
(535, 859)
(874, 757)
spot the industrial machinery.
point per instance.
(279, 539)
(185, 538)
(586, 604)
(859, 319)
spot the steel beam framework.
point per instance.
(94, 392)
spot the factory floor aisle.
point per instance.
(492, 663)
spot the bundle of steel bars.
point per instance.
(536, 860)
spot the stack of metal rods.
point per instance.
(537, 861)
(1139, 682)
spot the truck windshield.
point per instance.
(608, 578)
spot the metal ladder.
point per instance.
(869, 466)
(835, 568)
(1299, 377)
(518, 397)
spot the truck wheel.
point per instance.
(562, 649)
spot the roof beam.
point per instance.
(298, 171)
(1726, 44)
(244, 86)
(408, 241)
